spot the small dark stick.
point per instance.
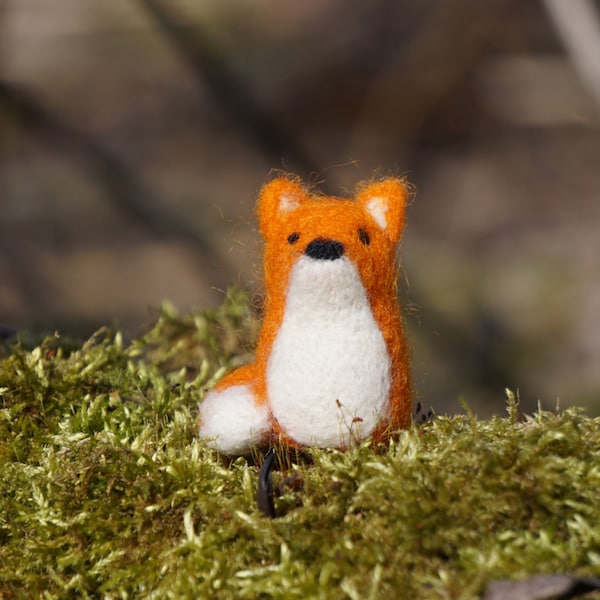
(264, 493)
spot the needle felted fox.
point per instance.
(331, 363)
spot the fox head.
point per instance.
(321, 235)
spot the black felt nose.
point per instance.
(324, 249)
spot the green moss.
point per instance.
(104, 490)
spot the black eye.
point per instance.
(364, 237)
(293, 238)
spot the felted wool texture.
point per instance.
(232, 421)
(328, 374)
(332, 320)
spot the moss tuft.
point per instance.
(105, 491)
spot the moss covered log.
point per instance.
(105, 491)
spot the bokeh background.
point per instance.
(135, 135)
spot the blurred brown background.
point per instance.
(135, 134)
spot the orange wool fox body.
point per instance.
(331, 364)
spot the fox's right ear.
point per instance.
(276, 199)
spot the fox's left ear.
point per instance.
(277, 198)
(385, 201)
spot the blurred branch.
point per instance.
(436, 59)
(124, 189)
(578, 27)
(213, 72)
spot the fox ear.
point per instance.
(277, 198)
(385, 201)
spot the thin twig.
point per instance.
(211, 71)
(578, 26)
(125, 189)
